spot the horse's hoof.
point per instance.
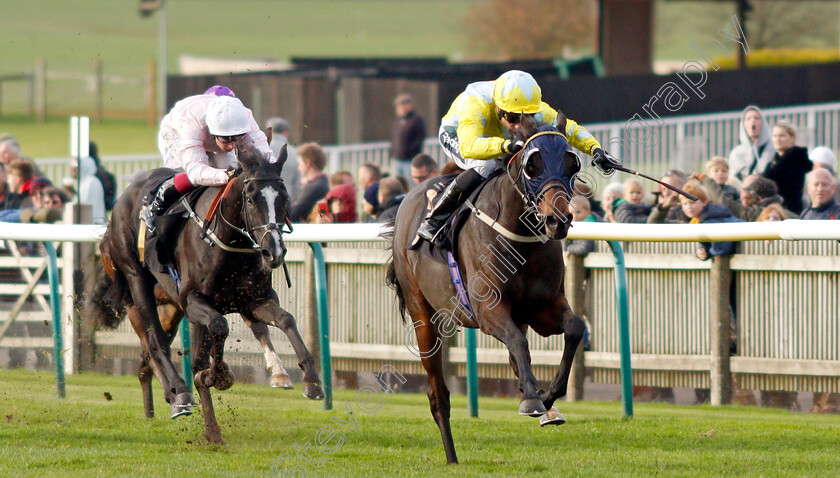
(552, 417)
(313, 391)
(223, 378)
(532, 407)
(281, 381)
(185, 399)
(182, 406)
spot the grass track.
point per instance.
(86, 435)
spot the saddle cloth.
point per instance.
(160, 245)
(449, 234)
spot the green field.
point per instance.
(86, 435)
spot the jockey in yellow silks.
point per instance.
(480, 127)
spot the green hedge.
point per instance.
(782, 57)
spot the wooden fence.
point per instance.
(785, 306)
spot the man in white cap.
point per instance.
(199, 135)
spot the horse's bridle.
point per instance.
(520, 182)
(249, 230)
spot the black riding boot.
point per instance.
(449, 200)
(165, 197)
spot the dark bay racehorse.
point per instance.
(512, 266)
(213, 282)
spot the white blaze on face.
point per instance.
(270, 194)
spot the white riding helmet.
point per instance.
(227, 116)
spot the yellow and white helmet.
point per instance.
(517, 92)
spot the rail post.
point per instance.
(323, 321)
(623, 329)
(55, 305)
(575, 294)
(720, 322)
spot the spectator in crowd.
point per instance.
(48, 206)
(423, 167)
(279, 137)
(633, 209)
(703, 211)
(822, 157)
(370, 202)
(369, 174)
(581, 212)
(773, 212)
(717, 168)
(611, 198)
(451, 167)
(788, 167)
(667, 206)
(8, 199)
(338, 207)
(390, 195)
(9, 151)
(757, 193)
(754, 152)
(821, 188)
(408, 133)
(109, 182)
(342, 177)
(311, 162)
(90, 188)
(20, 175)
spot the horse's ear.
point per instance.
(269, 134)
(247, 159)
(281, 158)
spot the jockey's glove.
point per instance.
(513, 147)
(604, 161)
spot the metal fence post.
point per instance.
(55, 305)
(472, 372)
(323, 321)
(623, 329)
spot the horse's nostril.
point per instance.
(266, 255)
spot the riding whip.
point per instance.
(672, 188)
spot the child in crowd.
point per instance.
(632, 210)
(611, 198)
(718, 169)
(703, 211)
(338, 207)
(581, 212)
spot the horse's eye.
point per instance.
(533, 165)
(249, 201)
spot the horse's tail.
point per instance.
(107, 296)
(391, 274)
